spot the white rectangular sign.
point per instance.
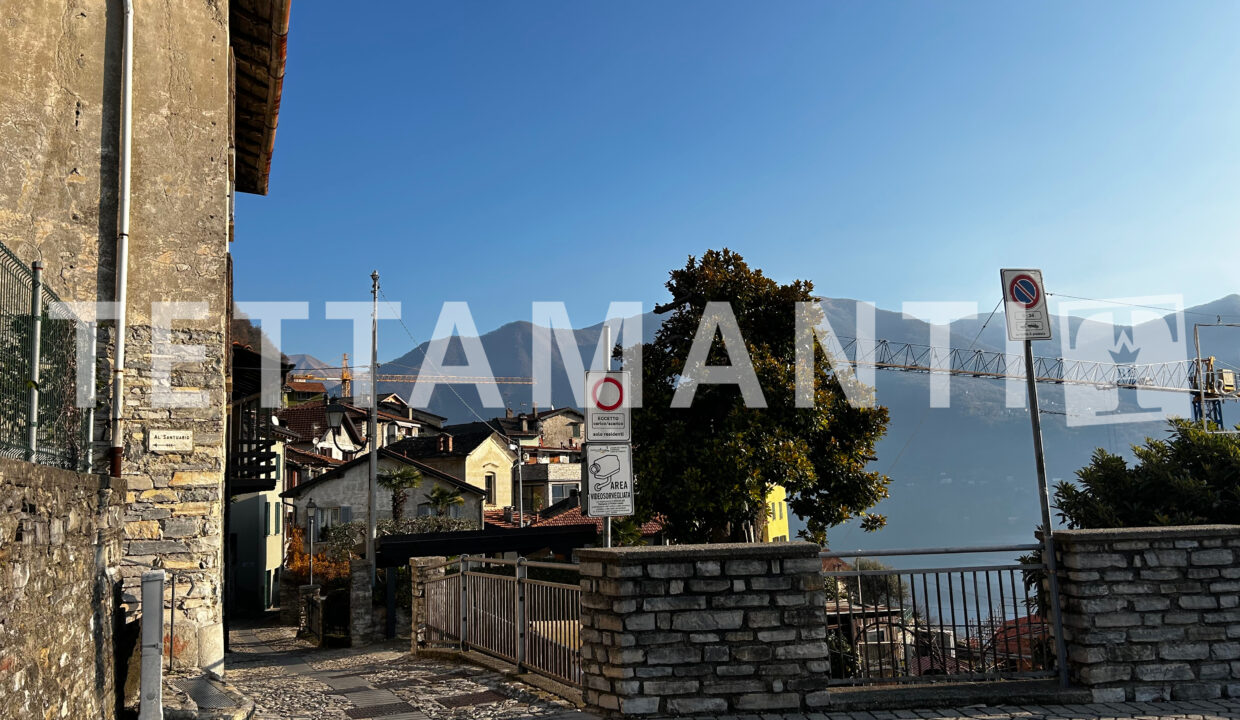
(1024, 303)
(609, 480)
(607, 407)
(170, 441)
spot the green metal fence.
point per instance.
(60, 437)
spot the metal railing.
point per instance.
(40, 420)
(935, 624)
(494, 606)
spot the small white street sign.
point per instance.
(1024, 303)
(170, 441)
(607, 407)
(609, 480)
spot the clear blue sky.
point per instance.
(504, 152)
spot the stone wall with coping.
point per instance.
(421, 569)
(703, 629)
(1152, 613)
(60, 545)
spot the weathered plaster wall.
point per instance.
(492, 456)
(60, 66)
(60, 545)
(350, 489)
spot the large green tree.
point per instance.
(707, 468)
(1190, 478)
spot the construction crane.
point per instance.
(1173, 376)
(344, 375)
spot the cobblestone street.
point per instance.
(290, 680)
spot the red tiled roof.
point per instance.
(496, 517)
(834, 564)
(308, 421)
(306, 386)
(311, 457)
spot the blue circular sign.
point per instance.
(1024, 291)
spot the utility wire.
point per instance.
(925, 410)
(437, 370)
(1147, 307)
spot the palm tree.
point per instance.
(442, 498)
(398, 481)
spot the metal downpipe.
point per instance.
(122, 248)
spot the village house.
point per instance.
(473, 452)
(340, 495)
(253, 479)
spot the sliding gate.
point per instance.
(524, 612)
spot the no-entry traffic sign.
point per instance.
(607, 407)
(1024, 301)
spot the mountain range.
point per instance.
(961, 475)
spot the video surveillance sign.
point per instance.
(609, 480)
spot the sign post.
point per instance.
(1024, 300)
(607, 463)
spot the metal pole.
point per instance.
(151, 681)
(372, 426)
(310, 529)
(464, 597)
(1201, 381)
(88, 425)
(36, 335)
(521, 573)
(520, 485)
(172, 617)
(1048, 542)
(607, 366)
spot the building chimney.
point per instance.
(508, 513)
(508, 412)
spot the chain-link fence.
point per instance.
(60, 437)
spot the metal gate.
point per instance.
(494, 606)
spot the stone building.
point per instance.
(472, 452)
(340, 495)
(205, 93)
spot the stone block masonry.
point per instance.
(703, 629)
(60, 545)
(1153, 613)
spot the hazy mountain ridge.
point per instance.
(961, 475)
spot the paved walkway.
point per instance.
(289, 680)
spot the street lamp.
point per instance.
(335, 416)
(311, 511)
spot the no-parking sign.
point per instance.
(607, 407)
(1024, 302)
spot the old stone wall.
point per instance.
(60, 66)
(703, 629)
(421, 570)
(1153, 613)
(60, 545)
(361, 609)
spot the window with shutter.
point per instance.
(266, 517)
